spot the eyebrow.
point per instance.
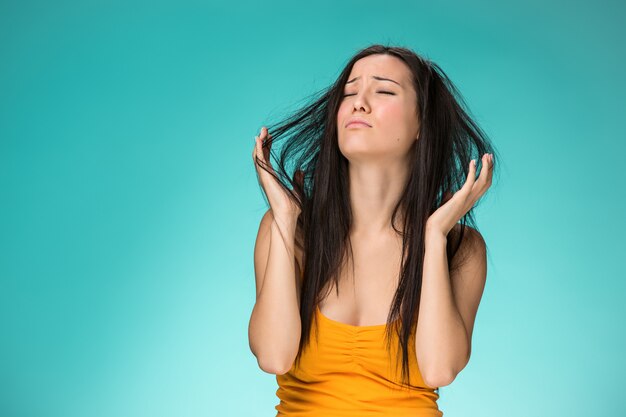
(376, 78)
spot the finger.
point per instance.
(490, 168)
(466, 191)
(258, 152)
(471, 178)
(259, 149)
(263, 154)
(473, 187)
(484, 169)
(485, 172)
(484, 180)
(264, 135)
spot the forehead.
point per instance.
(386, 66)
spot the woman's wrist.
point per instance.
(286, 223)
(434, 237)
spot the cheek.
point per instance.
(344, 110)
(393, 116)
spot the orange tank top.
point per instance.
(347, 371)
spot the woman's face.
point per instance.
(389, 107)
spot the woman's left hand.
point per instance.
(457, 205)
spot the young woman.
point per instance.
(363, 244)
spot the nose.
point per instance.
(360, 103)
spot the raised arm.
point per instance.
(274, 328)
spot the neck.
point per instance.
(374, 192)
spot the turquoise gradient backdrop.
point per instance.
(129, 202)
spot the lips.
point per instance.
(355, 124)
(357, 121)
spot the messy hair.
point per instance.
(448, 139)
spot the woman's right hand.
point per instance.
(281, 203)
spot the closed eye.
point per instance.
(382, 92)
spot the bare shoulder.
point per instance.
(468, 278)
(471, 236)
(472, 248)
(468, 230)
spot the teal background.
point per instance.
(129, 202)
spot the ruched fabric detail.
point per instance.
(347, 371)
